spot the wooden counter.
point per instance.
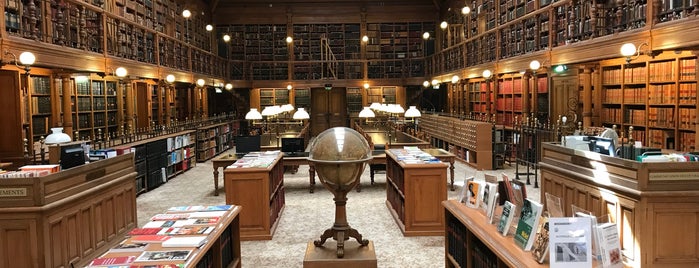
(67, 218)
(260, 191)
(656, 205)
(414, 193)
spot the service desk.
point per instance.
(656, 205)
(67, 218)
(414, 193)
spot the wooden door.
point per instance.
(143, 105)
(328, 109)
(564, 98)
(11, 116)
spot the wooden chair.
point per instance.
(373, 168)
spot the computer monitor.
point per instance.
(293, 145)
(602, 146)
(72, 156)
(577, 142)
(246, 144)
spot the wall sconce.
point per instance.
(487, 74)
(121, 72)
(170, 78)
(365, 39)
(631, 52)
(465, 10)
(426, 83)
(426, 35)
(289, 39)
(366, 85)
(289, 87)
(26, 59)
(226, 38)
(229, 86)
(534, 65)
(186, 13)
(201, 82)
(454, 79)
(443, 25)
(209, 27)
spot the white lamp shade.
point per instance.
(57, 136)
(535, 65)
(170, 78)
(253, 114)
(375, 106)
(412, 112)
(287, 108)
(397, 109)
(367, 113)
(301, 114)
(269, 111)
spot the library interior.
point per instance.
(446, 113)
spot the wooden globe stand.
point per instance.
(341, 230)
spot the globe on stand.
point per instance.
(339, 156)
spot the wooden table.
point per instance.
(444, 156)
(221, 161)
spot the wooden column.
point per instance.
(204, 102)
(66, 106)
(587, 96)
(130, 107)
(168, 101)
(161, 104)
(535, 92)
(120, 107)
(525, 94)
(55, 96)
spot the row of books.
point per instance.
(168, 240)
(564, 241)
(30, 171)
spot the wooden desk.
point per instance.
(5, 164)
(221, 161)
(222, 249)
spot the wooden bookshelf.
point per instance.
(261, 192)
(413, 195)
(657, 96)
(472, 242)
(213, 139)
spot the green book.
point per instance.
(528, 222)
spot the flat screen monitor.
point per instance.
(602, 146)
(577, 142)
(72, 156)
(246, 144)
(293, 145)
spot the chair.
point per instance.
(373, 168)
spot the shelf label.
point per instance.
(673, 176)
(13, 192)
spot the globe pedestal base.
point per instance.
(356, 256)
(341, 230)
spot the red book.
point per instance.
(113, 260)
(144, 231)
